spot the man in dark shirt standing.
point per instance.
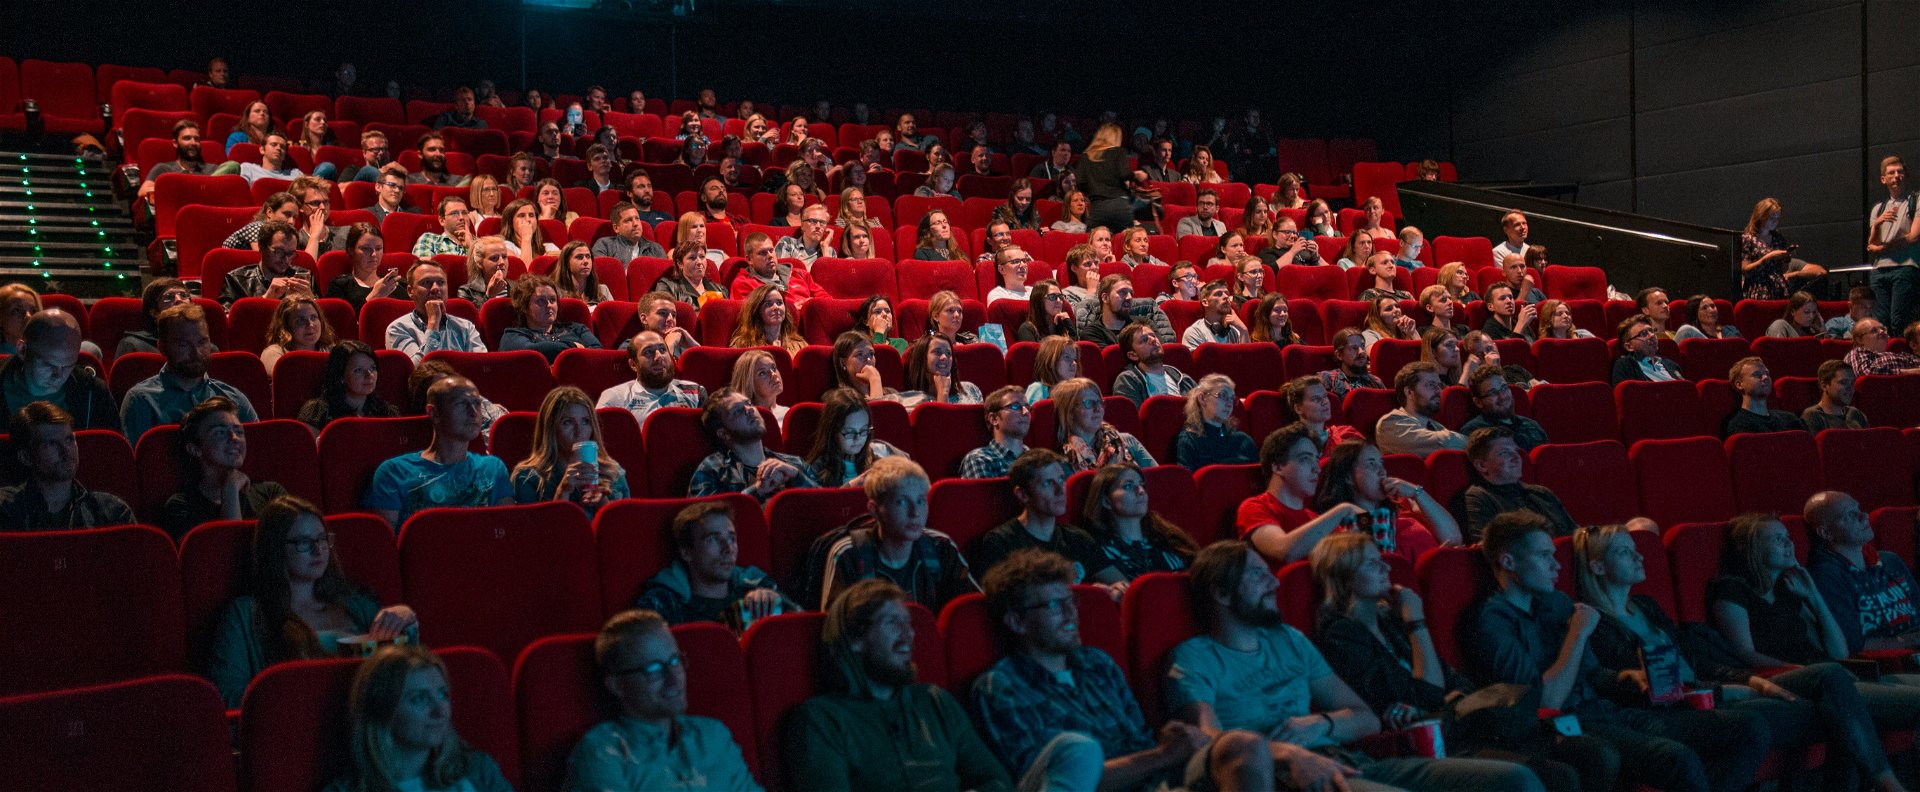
(1750, 379)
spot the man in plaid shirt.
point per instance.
(453, 220)
(1009, 416)
(1871, 356)
(743, 463)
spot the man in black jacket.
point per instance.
(48, 369)
(1640, 354)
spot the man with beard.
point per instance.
(1102, 320)
(433, 164)
(891, 542)
(1039, 482)
(705, 582)
(1063, 711)
(1252, 671)
(461, 115)
(713, 202)
(445, 473)
(874, 727)
(183, 381)
(275, 276)
(653, 385)
(1411, 428)
(730, 172)
(1750, 379)
(546, 143)
(50, 498)
(640, 194)
(906, 135)
(1148, 375)
(743, 463)
(1350, 351)
(47, 369)
(186, 156)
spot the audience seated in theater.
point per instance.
(1135, 539)
(433, 164)
(1800, 320)
(1231, 250)
(1008, 416)
(940, 178)
(536, 306)
(558, 467)
(1220, 323)
(1249, 281)
(1655, 309)
(815, 240)
(275, 162)
(45, 367)
(1133, 246)
(891, 542)
(276, 275)
(1252, 671)
(1441, 305)
(1158, 164)
(487, 270)
(874, 727)
(1505, 317)
(455, 232)
(1374, 636)
(1272, 323)
(1350, 352)
(756, 374)
(1640, 354)
(1355, 473)
(575, 278)
(845, 447)
(390, 191)
(298, 603)
(704, 581)
(740, 461)
(1289, 246)
(211, 447)
(1751, 381)
(1526, 632)
(1386, 320)
(315, 236)
(1514, 226)
(687, 280)
(1280, 522)
(1083, 269)
(1061, 713)
(652, 743)
(460, 116)
(654, 384)
(521, 231)
(445, 473)
(1147, 374)
(1113, 308)
(1203, 221)
(1085, 438)
(600, 166)
(1442, 349)
(401, 729)
(1706, 321)
(1495, 462)
(1382, 270)
(1039, 481)
(1870, 355)
(1870, 593)
(1835, 409)
(936, 240)
(50, 499)
(764, 270)
(186, 157)
(297, 324)
(1606, 567)
(483, 197)
(860, 243)
(159, 295)
(1556, 321)
(874, 320)
(1479, 351)
(1307, 399)
(429, 327)
(1049, 313)
(1494, 402)
(1860, 305)
(1357, 251)
(946, 316)
(376, 159)
(1211, 435)
(1019, 211)
(422, 378)
(363, 280)
(347, 388)
(1454, 278)
(1412, 428)
(183, 382)
(1011, 262)
(854, 370)
(627, 241)
(932, 375)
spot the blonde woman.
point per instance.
(1103, 174)
(554, 469)
(1211, 436)
(853, 210)
(483, 199)
(1086, 439)
(757, 375)
(1073, 214)
(692, 227)
(946, 315)
(487, 271)
(1453, 278)
(1200, 167)
(401, 734)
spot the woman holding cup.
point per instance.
(565, 463)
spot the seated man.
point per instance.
(1870, 355)
(653, 743)
(1202, 222)
(50, 499)
(1147, 373)
(1350, 351)
(390, 194)
(1835, 408)
(183, 382)
(445, 473)
(1251, 671)
(1039, 482)
(1527, 632)
(742, 463)
(1640, 354)
(456, 234)
(660, 312)
(1870, 593)
(1497, 460)
(376, 156)
(433, 164)
(1750, 379)
(212, 445)
(816, 228)
(1653, 304)
(1514, 226)
(1009, 417)
(186, 157)
(460, 116)
(1220, 323)
(640, 194)
(599, 170)
(653, 385)
(47, 369)
(1063, 711)
(1514, 272)
(275, 276)
(1494, 400)
(627, 242)
(1411, 428)
(764, 268)
(705, 581)
(1102, 319)
(891, 541)
(1280, 521)
(430, 327)
(315, 236)
(1860, 304)
(873, 726)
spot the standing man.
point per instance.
(1893, 243)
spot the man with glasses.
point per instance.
(1640, 354)
(1203, 221)
(445, 473)
(600, 170)
(705, 581)
(1220, 323)
(1014, 264)
(653, 743)
(816, 229)
(1039, 481)
(763, 268)
(1494, 400)
(275, 276)
(433, 164)
(316, 207)
(375, 157)
(456, 234)
(653, 385)
(47, 369)
(429, 327)
(627, 242)
(50, 499)
(1009, 417)
(1289, 246)
(390, 195)
(1870, 354)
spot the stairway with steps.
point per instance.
(61, 229)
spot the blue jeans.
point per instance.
(1070, 762)
(1896, 296)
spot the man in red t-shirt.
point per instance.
(1278, 522)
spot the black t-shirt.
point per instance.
(1781, 629)
(1076, 545)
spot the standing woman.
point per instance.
(363, 280)
(845, 446)
(1766, 259)
(402, 734)
(1132, 536)
(347, 388)
(1104, 176)
(297, 323)
(554, 469)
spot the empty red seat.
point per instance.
(1589, 478)
(517, 380)
(1694, 554)
(1775, 472)
(675, 444)
(65, 92)
(1156, 615)
(923, 279)
(162, 732)
(1790, 357)
(174, 190)
(1252, 367)
(500, 576)
(963, 509)
(1475, 252)
(1682, 480)
(1388, 355)
(1452, 579)
(1365, 406)
(1888, 400)
(1310, 283)
(1654, 410)
(944, 433)
(1575, 283)
(1711, 358)
(1873, 465)
(1576, 413)
(1571, 360)
(1218, 491)
(352, 448)
(1894, 531)
(88, 606)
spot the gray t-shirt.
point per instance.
(1883, 233)
(1257, 690)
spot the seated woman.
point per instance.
(1134, 245)
(298, 604)
(576, 279)
(363, 280)
(556, 469)
(1057, 361)
(536, 303)
(1386, 320)
(347, 388)
(18, 303)
(1478, 349)
(1374, 225)
(1130, 533)
(1319, 222)
(1374, 636)
(932, 375)
(845, 446)
(1706, 321)
(402, 730)
(936, 240)
(1249, 281)
(757, 375)
(946, 315)
(1012, 263)
(255, 122)
(1272, 323)
(1086, 439)
(875, 317)
(687, 279)
(1307, 397)
(1801, 319)
(1083, 270)
(1556, 321)
(1356, 473)
(1210, 436)
(1440, 306)
(1256, 220)
(788, 204)
(1288, 195)
(1442, 349)
(1454, 278)
(853, 367)
(212, 447)
(521, 228)
(483, 199)
(692, 227)
(765, 321)
(487, 271)
(550, 202)
(939, 182)
(282, 206)
(860, 241)
(1199, 168)
(1232, 250)
(1606, 567)
(297, 323)
(1073, 214)
(853, 210)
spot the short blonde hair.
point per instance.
(886, 473)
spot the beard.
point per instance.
(889, 674)
(1254, 613)
(434, 164)
(717, 203)
(194, 367)
(652, 381)
(187, 153)
(1152, 360)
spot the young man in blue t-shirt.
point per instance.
(446, 473)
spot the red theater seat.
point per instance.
(1775, 472)
(88, 606)
(352, 448)
(500, 576)
(1575, 413)
(1682, 480)
(1659, 410)
(634, 543)
(964, 509)
(517, 380)
(1572, 360)
(1452, 579)
(1156, 615)
(1875, 466)
(1590, 479)
(974, 641)
(161, 732)
(944, 433)
(281, 451)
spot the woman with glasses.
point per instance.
(1049, 313)
(211, 447)
(845, 446)
(298, 603)
(483, 199)
(1086, 439)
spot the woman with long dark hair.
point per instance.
(845, 446)
(1131, 534)
(347, 388)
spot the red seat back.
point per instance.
(500, 576)
(634, 541)
(1657, 410)
(162, 732)
(1571, 470)
(974, 641)
(1156, 615)
(352, 448)
(1452, 579)
(280, 451)
(1775, 472)
(944, 433)
(1682, 480)
(1875, 465)
(1572, 360)
(88, 606)
(517, 380)
(964, 509)
(1575, 413)
(1218, 492)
